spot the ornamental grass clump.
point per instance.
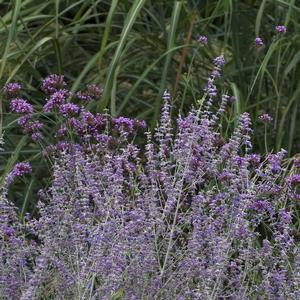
(192, 215)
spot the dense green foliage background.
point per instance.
(135, 49)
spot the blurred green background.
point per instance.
(135, 49)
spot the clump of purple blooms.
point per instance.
(21, 106)
(19, 169)
(259, 42)
(92, 92)
(280, 28)
(266, 118)
(192, 216)
(203, 40)
(53, 83)
(12, 89)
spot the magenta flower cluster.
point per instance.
(92, 92)
(266, 118)
(192, 215)
(12, 89)
(203, 40)
(19, 170)
(57, 101)
(258, 41)
(53, 83)
(280, 28)
(21, 106)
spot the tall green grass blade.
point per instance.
(259, 17)
(292, 127)
(289, 4)
(282, 129)
(237, 103)
(26, 198)
(129, 21)
(170, 44)
(113, 93)
(289, 12)
(293, 63)
(32, 50)
(56, 19)
(107, 29)
(14, 157)
(11, 34)
(57, 51)
(90, 64)
(143, 76)
(262, 67)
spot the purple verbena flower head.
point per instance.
(62, 131)
(22, 121)
(293, 180)
(12, 89)
(32, 126)
(37, 136)
(68, 109)
(93, 92)
(56, 100)
(19, 105)
(203, 40)
(53, 83)
(259, 42)
(280, 29)
(140, 124)
(21, 169)
(265, 118)
(123, 125)
(219, 61)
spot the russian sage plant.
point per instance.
(193, 215)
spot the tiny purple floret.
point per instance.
(203, 40)
(265, 118)
(259, 42)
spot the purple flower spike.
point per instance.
(265, 118)
(203, 40)
(259, 42)
(19, 105)
(280, 29)
(69, 109)
(12, 89)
